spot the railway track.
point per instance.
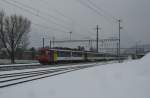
(10, 79)
(31, 66)
(36, 66)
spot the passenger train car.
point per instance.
(51, 56)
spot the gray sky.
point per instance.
(58, 17)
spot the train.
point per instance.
(54, 56)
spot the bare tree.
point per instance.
(13, 32)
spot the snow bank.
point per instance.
(125, 80)
(146, 57)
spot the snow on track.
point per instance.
(8, 65)
(120, 80)
(9, 80)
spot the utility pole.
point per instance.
(50, 44)
(117, 52)
(53, 41)
(97, 38)
(119, 21)
(70, 35)
(90, 45)
(43, 42)
(102, 49)
(136, 48)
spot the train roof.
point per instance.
(76, 51)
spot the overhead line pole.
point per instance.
(97, 38)
(70, 35)
(53, 41)
(119, 21)
(50, 44)
(43, 42)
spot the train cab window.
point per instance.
(42, 52)
(90, 54)
(47, 52)
(77, 54)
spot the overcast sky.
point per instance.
(58, 17)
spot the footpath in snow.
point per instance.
(119, 80)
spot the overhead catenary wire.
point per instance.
(92, 6)
(48, 27)
(45, 2)
(69, 18)
(57, 11)
(32, 13)
(100, 9)
(94, 10)
(38, 11)
(35, 14)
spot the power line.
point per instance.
(47, 27)
(29, 11)
(36, 24)
(100, 40)
(93, 9)
(96, 9)
(101, 9)
(58, 11)
(36, 10)
(37, 15)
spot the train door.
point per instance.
(55, 56)
(85, 56)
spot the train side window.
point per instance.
(64, 53)
(77, 54)
(68, 53)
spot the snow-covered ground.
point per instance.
(120, 80)
(7, 61)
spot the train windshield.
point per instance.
(42, 52)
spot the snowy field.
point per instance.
(125, 80)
